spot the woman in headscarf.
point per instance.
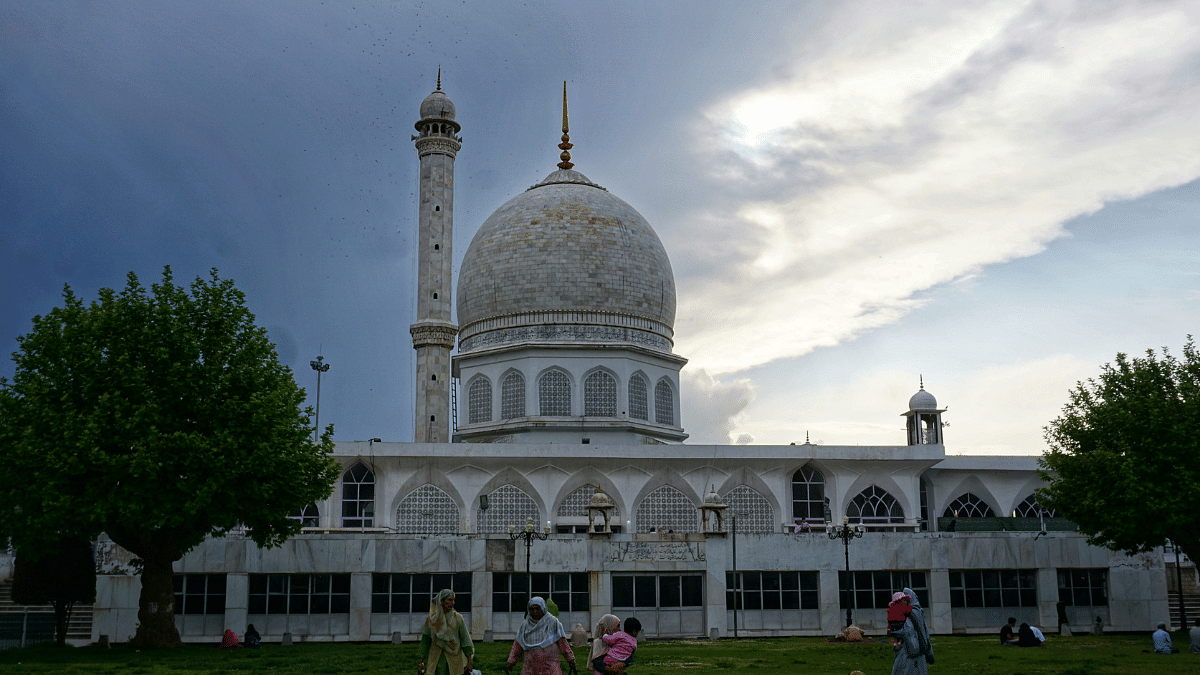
(229, 640)
(918, 619)
(909, 659)
(608, 625)
(253, 639)
(540, 640)
(445, 642)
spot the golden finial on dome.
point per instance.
(565, 146)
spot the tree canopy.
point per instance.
(159, 418)
(1124, 458)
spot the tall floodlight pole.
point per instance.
(320, 368)
(528, 534)
(846, 532)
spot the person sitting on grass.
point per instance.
(1162, 641)
(229, 640)
(1026, 637)
(253, 639)
(1194, 634)
(1008, 633)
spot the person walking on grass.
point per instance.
(445, 642)
(540, 641)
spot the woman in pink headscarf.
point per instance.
(541, 640)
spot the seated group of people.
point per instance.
(252, 639)
(1025, 636)
(1163, 644)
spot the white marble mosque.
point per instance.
(568, 398)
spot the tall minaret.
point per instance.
(433, 333)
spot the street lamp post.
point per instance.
(846, 532)
(528, 534)
(320, 368)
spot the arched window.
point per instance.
(664, 403)
(668, 508)
(600, 395)
(358, 497)
(479, 400)
(554, 394)
(507, 505)
(968, 506)
(1031, 509)
(638, 406)
(512, 396)
(753, 511)
(874, 506)
(575, 504)
(808, 494)
(427, 510)
(308, 516)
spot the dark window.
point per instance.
(808, 494)
(299, 594)
(358, 497)
(405, 593)
(1029, 508)
(309, 516)
(772, 590)
(568, 590)
(662, 591)
(199, 593)
(993, 588)
(1083, 587)
(874, 506)
(873, 590)
(968, 506)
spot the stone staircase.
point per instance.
(23, 625)
(1191, 601)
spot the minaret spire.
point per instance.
(439, 83)
(565, 146)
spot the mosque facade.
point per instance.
(561, 469)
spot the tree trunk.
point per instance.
(62, 620)
(156, 607)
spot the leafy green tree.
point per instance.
(1124, 459)
(63, 575)
(159, 418)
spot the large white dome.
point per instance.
(566, 253)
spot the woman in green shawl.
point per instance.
(445, 642)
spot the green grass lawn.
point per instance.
(1115, 655)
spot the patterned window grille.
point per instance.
(664, 404)
(309, 516)
(753, 511)
(668, 508)
(199, 593)
(575, 505)
(411, 593)
(639, 408)
(968, 506)
(512, 396)
(358, 497)
(993, 588)
(554, 394)
(427, 510)
(1031, 509)
(299, 594)
(507, 505)
(873, 590)
(808, 494)
(600, 395)
(479, 398)
(875, 506)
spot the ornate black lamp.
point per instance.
(845, 532)
(528, 534)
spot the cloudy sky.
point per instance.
(997, 196)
